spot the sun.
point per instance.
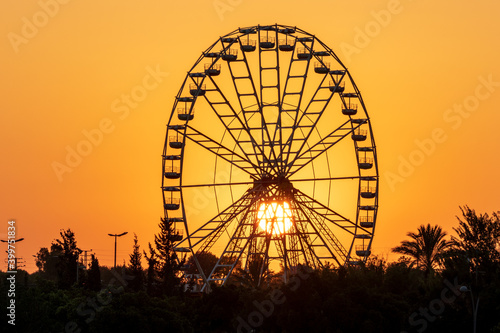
(275, 217)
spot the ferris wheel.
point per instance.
(269, 157)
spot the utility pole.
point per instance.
(78, 267)
(85, 262)
(15, 258)
(18, 262)
(116, 236)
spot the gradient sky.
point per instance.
(427, 70)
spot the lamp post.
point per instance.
(464, 289)
(17, 240)
(116, 236)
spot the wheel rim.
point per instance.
(267, 112)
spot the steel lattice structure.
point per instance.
(285, 133)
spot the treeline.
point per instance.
(436, 286)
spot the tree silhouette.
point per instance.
(168, 266)
(135, 267)
(478, 239)
(372, 297)
(94, 274)
(68, 252)
(426, 249)
(41, 259)
(207, 261)
(152, 260)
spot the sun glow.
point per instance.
(275, 217)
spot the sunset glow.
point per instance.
(250, 166)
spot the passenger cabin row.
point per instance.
(368, 190)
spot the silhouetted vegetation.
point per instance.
(60, 264)
(135, 267)
(93, 275)
(418, 293)
(426, 249)
(207, 261)
(168, 266)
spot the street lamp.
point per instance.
(17, 240)
(464, 289)
(116, 236)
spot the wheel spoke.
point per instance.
(306, 243)
(216, 184)
(239, 241)
(325, 179)
(269, 93)
(322, 236)
(318, 219)
(235, 126)
(251, 104)
(267, 182)
(209, 232)
(309, 119)
(219, 150)
(292, 107)
(321, 147)
(328, 213)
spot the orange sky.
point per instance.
(422, 66)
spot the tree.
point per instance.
(67, 252)
(478, 239)
(207, 261)
(168, 266)
(41, 259)
(152, 260)
(427, 247)
(135, 267)
(94, 275)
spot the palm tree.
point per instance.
(427, 247)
